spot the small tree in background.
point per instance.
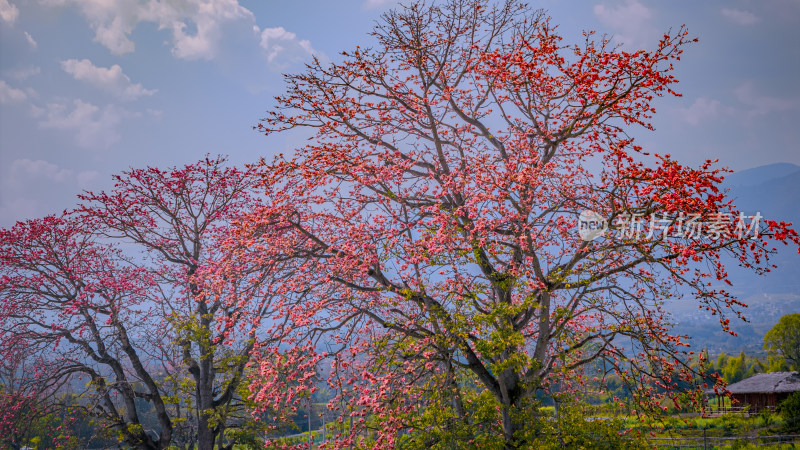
(782, 342)
(209, 304)
(33, 411)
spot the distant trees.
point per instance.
(782, 339)
(782, 342)
(736, 368)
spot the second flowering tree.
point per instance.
(135, 296)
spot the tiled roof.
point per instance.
(767, 383)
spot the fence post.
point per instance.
(705, 440)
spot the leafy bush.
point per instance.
(790, 411)
(576, 427)
(766, 417)
(733, 424)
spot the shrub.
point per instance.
(790, 412)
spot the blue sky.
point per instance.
(91, 87)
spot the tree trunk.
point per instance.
(511, 400)
(205, 406)
(205, 438)
(511, 427)
(204, 378)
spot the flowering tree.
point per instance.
(30, 410)
(80, 310)
(435, 222)
(134, 291)
(211, 305)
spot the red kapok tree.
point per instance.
(138, 293)
(81, 310)
(442, 221)
(211, 304)
(32, 406)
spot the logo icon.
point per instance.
(591, 225)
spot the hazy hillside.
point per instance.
(760, 175)
(774, 191)
(776, 197)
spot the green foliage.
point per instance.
(766, 417)
(439, 425)
(782, 342)
(734, 424)
(736, 368)
(573, 425)
(245, 438)
(790, 412)
(579, 426)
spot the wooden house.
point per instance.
(761, 391)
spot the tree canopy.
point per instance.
(435, 217)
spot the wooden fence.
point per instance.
(716, 411)
(712, 442)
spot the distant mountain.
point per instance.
(776, 197)
(774, 191)
(761, 174)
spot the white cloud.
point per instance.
(739, 16)
(704, 109)
(9, 94)
(31, 41)
(22, 73)
(631, 21)
(208, 17)
(39, 170)
(758, 105)
(35, 187)
(156, 114)
(86, 178)
(374, 4)
(8, 12)
(112, 21)
(37, 111)
(93, 127)
(21, 171)
(196, 25)
(219, 30)
(110, 79)
(282, 47)
(752, 104)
